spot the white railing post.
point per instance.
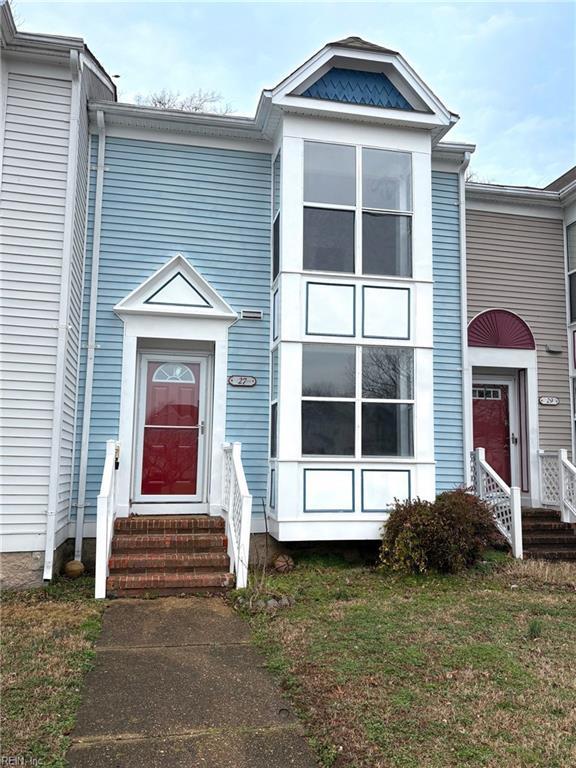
(105, 514)
(480, 458)
(516, 515)
(562, 459)
(237, 502)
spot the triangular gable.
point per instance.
(178, 292)
(354, 86)
(176, 289)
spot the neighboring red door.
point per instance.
(491, 417)
(171, 429)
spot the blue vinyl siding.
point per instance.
(354, 87)
(213, 206)
(448, 406)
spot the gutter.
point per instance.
(63, 319)
(466, 384)
(513, 194)
(91, 347)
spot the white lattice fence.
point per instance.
(550, 477)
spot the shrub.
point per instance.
(446, 535)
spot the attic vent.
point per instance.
(251, 314)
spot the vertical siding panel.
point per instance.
(32, 202)
(517, 263)
(448, 405)
(213, 206)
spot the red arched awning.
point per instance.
(500, 328)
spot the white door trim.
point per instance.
(513, 417)
(491, 357)
(204, 430)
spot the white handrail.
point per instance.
(558, 482)
(105, 516)
(503, 500)
(237, 503)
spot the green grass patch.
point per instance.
(48, 636)
(428, 671)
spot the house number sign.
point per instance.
(242, 381)
(546, 400)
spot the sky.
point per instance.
(508, 69)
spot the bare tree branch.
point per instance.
(197, 101)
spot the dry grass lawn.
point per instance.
(47, 639)
(430, 672)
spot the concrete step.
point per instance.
(169, 524)
(175, 542)
(169, 562)
(146, 584)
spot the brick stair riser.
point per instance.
(174, 542)
(147, 582)
(546, 526)
(198, 562)
(141, 526)
(549, 542)
(568, 555)
(165, 592)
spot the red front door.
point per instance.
(491, 415)
(171, 429)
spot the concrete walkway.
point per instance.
(177, 683)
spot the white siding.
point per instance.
(32, 209)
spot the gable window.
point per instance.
(357, 210)
(571, 247)
(357, 401)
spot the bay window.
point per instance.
(357, 401)
(357, 215)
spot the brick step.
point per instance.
(149, 562)
(550, 554)
(534, 541)
(139, 584)
(168, 524)
(546, 526)
(176, 542)
(539, 513)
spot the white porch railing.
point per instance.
(558, 483)
(237, 503)
(105, 516)
(504, 501)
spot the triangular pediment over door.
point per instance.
(176, 289)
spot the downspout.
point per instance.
(91, 347)
(63, 318)
(466, 391)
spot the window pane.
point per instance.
(327, 428)
(572, 279)
(387, 373)
(386, 180)
(386, 244)
(387, 429)
(328, 370)
(571, 243)
(273, 429)
(328, 240)
(329, 173)
(386, 313)
(276, 247)
(330, 310)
